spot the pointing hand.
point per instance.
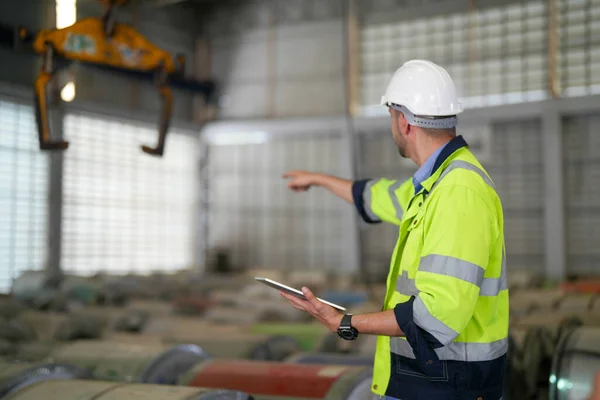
(300, 181)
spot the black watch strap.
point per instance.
(346, 321)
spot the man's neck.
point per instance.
(428, 148)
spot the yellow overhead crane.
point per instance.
(103, 43)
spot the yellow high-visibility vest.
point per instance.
(449, 261)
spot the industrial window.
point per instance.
(125, 211)
(495, 55)
(581, 144)
(579, 62)
(258, 220)
(23, 194)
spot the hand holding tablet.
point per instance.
(293, 292)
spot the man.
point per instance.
(443, 330)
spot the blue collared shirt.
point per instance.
(426, 169)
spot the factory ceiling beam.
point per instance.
(200, 5)
(372, 12)
(161, 3)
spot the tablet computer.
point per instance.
(292, 291)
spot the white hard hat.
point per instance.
(424, 88)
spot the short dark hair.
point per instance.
(437, 133)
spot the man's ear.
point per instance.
(403, 123)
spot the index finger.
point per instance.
(289, 174)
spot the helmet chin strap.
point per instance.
(424, 122)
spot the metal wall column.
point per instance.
(352, 255)
(55, 195)
(554, 208)
(350, 158)
(202, 235)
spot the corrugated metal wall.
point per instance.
(582, 178)
(279, 59)
(517, 171)
(260, 221)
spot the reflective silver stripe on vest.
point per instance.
(406, 286)
(423, 318)
(493, 286)
(464, 165)
(451, 266)
(466, 271)
(457, 268)
(368, 200)
(401, 347)
(456, 351)
(395, 202)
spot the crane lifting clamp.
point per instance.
(100, 42)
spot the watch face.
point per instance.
(348, 334)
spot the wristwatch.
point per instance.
(346, 330)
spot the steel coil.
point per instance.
(16, 376)
(269, 380)
(330, 359)
(309, 335)
(158, 364)
(80, 327)
(133, 321)
(247, 347)
(16, 330)
(575, 363)
(275, 348)
(94, 390)
(530, 353)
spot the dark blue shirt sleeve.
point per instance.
(358, 187)
(421, 341)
